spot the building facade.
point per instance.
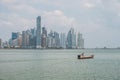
(44, 38)
(0, 43)
(71, 39)
(38, 32)
(80, 41)
(32, 38)
(14, 35)
(56, 40)
(16, 40)
(24, 39)
(62, 40)
(53, 40)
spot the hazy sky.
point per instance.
(97, 20)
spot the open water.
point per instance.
(59, 65)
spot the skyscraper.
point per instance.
(16, 40)
(32, 38)
(57, 40)
(14, 35)
(38, 32)
(44, 38)
(71, 39)
(80, 41)
(33, 31)
(62, 40)
(50, 39)
(24, 39)
(53, 40)
(0, 43)
(19, 39)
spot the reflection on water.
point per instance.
(59, 65)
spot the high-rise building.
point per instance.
(38, 32)
(16, 40)
(74, 40)
(19, 40)
(25, 39)
(14, 35)
(62, 40)
(44, 31)
(32, 38)
(57, 40)
(53, 40)
(80, 41)
(0, 43)
(49, 41)
(14, 43)
(28, 36)
(44, 38)
(79, 37)
(24, 44)
(71, 39)
(33, 32)
(5, 44)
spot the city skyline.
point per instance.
(39, 38)
(97, 20)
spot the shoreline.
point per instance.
(59, 49)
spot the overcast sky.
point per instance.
(97, 20)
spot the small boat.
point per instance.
(81, 56)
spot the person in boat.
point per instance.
(82, 54)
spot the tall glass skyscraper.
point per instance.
(71, 39)
(24, 39)
(0, 43)
(14, 35)
(38, 32)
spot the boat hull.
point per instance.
(85, 57)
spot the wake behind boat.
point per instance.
(82, 56)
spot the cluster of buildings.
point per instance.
(39, 38)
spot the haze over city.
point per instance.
(97, 20)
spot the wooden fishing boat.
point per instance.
(81, 56)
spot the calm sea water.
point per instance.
(59, 65)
